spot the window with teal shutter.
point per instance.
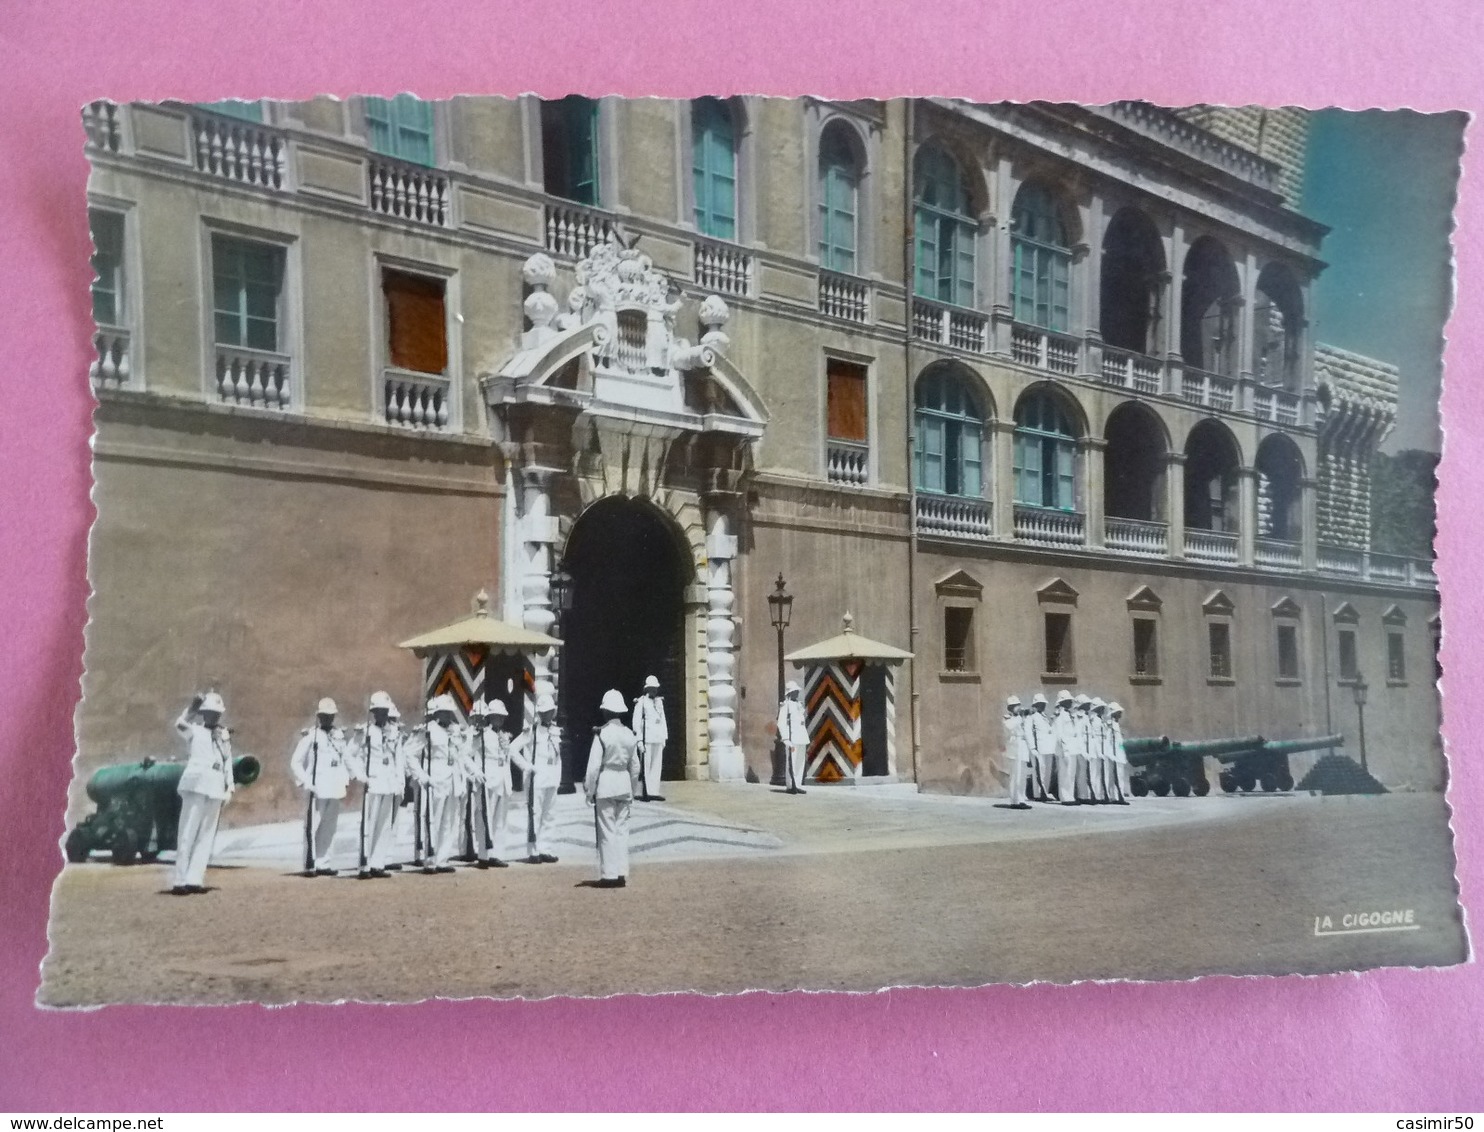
(1040, 271)
(714, 162)
(945, 230)
(950, 436)
(235, 108)
(1045, 461)
(401, 127)
(247, 282)
(839, 188)
(569, 148)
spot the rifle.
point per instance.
(425, 807)
(365, 790)
(484, 795)
(309, 829)
(531, 797)
(643, 746)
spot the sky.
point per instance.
(1385, 182)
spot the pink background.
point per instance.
(1392, 1040)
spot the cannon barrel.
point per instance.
(1142, 750)
(1216, 746)
(1299, 746)
(154, 777)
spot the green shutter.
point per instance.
(929, 453)
(401, 127)
(714, 161)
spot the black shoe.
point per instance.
(655, 798)
(547, 859)
(309, 873)
(496, 863)
(428, 870)
(380, 874)
(444, 869)
(394, 868)
(324, 872)
(801, 790)
(621, 882)
(481, 864)
(196, 889)
(183, 890)
(365, 874)
(1021, 806)
(533, 859)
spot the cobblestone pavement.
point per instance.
(849, 889)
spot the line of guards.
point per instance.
(1074, 756)
(442, 769)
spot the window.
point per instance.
(1288, 655)
(1059, 661)
(401, 127)
(236, 108)
(1045, 453)
(839, 188)
(950, 435)
(945, 230)
(1396, 657)
(247, 286)
(417, 330)
(958, 639)
(108, 267)
(1146, 646)
(1041, 267)
(1349, 669)
(1219, 634)
(846, 400)
(714, 161)
(569, 148)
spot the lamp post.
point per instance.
(780, 609)
(1360, 688)
(559, 588)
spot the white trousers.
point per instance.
(495, 815)
(1044, 763)
(445, 816)
(1066, 777)
(613, 836)
(379, 811)
(1098, 788)
(797, 752)
(1125, 786)
(194, 836)
(1018, 772)
(543, 820)
(322, 829)
(654, 766)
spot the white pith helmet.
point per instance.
(613, 701)
(326, 707)
(212, 702)
(381, 700)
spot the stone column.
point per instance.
(1246, 516)
(998, 299)
(1309, 520)
(725, 757)
(1090, 325)
(1093, 450)
(538, 533)
(1246, 313)
(1175, 502)
(1002, 452)
(1175, 295)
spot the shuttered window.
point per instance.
(247, 283)
(1396, 657)
(1045, 458)
(1220, 637)
(1146, 646)
(714, 165)
(417, 330)
(569, 148)
(846, 401)
(839, 186)
(944, 230)
(950, 436)
(1040, 282)
(401, 127)
(1288, 655)
(108, 267)
(1059, 661)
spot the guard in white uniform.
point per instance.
(1067, 730)
(1041, 738)
(489, 753)
(649, 726)
(1120, 754)
(1017, 757)
(206, 784)
(320, 766)
(441, 771)
(613, 767)
(379, 762)
(538, 753)
(1097, 750)
(793, 732)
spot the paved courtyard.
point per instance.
(741, 887)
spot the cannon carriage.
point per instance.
(1162, 766)
(138, 809)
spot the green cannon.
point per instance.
(1266, 765)
(138, 809)
(1179, 767)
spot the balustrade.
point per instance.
(1045, 526)
(847, 462)
(723, 268)
(1342, 560)
(110, 368)
(240, 151)
(1129, 370)
(958, 327)
(844, 296)
(1211, 546)
(409, 192)
(100, 121)
(955, 516)
(1136, 536)
(572, 231)
(415, 400)
(1043, 349)
(255, 378)
(1279, 553)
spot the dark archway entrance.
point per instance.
(629, 569)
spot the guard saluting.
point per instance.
(613, 763)
(319, 767)
(538, 753)
(793, 732)
(1041, 738)
(489, 752)
(380, 764)
(205, 784)
(1017, 755)
(649, 726)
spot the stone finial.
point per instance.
(539, 271)
(482, 603)
(848, 621)
(540, 308)
(713, 315)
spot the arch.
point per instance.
(1131, 284)
(842, 167)
(1277, 327)
(569, 148)
(1041, 257)
(1208, 307)
(630, 565)
(1134, 463)
(1280, 474)
(945, 230)
(951, 408)
(716, 130)
(1048, 425)
(1212, 460)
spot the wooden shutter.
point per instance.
(846, 396)
(416, 326)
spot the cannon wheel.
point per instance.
(1285, 781)
(1139, 787)
(1201, 786)
(1181, 787)
(123, 847)
(78, 845)
(1162, 788)
(1228, 782)
(1269, 784)
(1246, 784)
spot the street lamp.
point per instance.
(780, 609)
(1360, 688)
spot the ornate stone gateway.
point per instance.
(603, 399)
